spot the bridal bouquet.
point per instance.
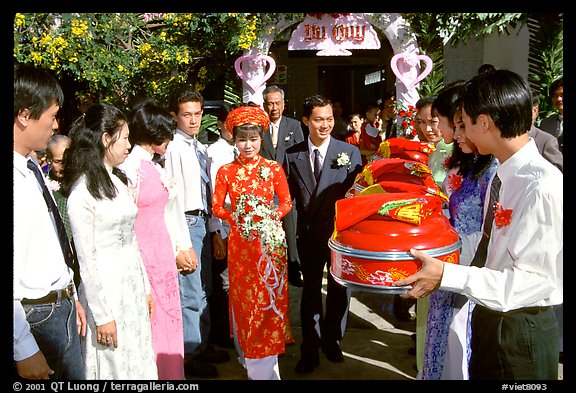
(257, 218)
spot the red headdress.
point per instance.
(247, 115)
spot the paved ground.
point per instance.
(376, 345)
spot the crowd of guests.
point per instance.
(159, 247)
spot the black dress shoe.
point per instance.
(333, 352)
(212, 355)
(294, 275)
(195, 368)
(306, 365)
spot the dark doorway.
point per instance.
(354, 86)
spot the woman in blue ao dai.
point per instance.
(447, 350)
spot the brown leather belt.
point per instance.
(53, 296)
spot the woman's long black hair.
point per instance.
(85, 156)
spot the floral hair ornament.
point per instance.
(247, 114)
(502, 216)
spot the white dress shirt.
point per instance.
(182, 165)
(524, 263)
(322, 149)
(219, 153)
(39, 265)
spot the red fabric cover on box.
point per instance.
(358, 224)
(405, 149)
(396, 169)
(394, 186)
(350, 211)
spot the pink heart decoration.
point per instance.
(255, 83)
(411, 59)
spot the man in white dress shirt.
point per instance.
(43, 287)
(191, 178)
(515, 333)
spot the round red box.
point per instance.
(374, 253)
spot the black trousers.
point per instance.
(516, 345)
(218, 302)
(319, 324)
(289, 226)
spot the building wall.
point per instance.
(509, 51)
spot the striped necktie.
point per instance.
(69, 256)
(206, 195)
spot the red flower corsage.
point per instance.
(455, 181)
(502, 216)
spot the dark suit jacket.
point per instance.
(548, 147)
(551, 124)
(316, 203)
(289, 134)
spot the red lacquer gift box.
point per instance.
(374, 233)
(404, 148)
(393, 172)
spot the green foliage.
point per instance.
(434, 82)
(123, 57)
(433, 31)
(460, 27)
(546, 57)
(425, 27)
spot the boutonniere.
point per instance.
(54, 185)
(341, 160)
(264, 172)
(288, 136)
(455, 181)
(502, 216)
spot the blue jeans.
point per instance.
(53, 325)
(195, 289)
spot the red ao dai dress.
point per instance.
(258, 291)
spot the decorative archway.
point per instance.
(394, 26)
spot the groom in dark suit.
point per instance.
(283, 133)
(319, 170)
